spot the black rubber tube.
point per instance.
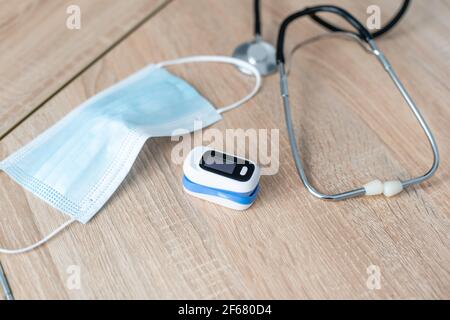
(388, 26)
(362, 32)
(257, 12)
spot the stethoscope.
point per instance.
(262, 54)
(366, 40)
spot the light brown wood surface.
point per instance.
(39, 54)
(153, 241)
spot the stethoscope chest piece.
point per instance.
(258, 53)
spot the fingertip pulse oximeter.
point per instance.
(221, 178)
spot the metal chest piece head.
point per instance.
(258, 53)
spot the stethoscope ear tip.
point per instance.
(388, 188)
(258, 53)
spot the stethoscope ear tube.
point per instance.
(375, 187)
(383, 30)
(362, 32)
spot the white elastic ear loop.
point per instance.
(221, 59)
(40, 242)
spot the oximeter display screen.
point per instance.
(220, 163)
(226, 165)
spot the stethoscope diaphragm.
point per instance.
(258, 53)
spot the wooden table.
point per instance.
(153, 241)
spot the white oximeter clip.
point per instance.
(221, 178)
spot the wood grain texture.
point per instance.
(39, 54)
(153, 241)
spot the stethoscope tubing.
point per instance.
(388, 26)
(365, 36)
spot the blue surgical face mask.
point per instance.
(77, 164)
